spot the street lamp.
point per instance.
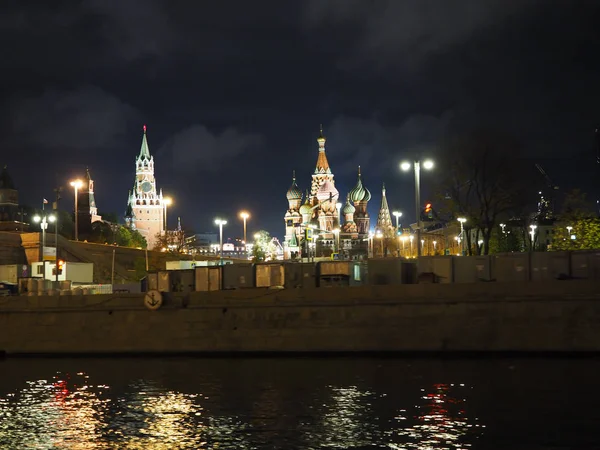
(77, 184)
(221, 222)
(532, 232)
(403, 239)
(379, 235)
(167, 201)
(397, 215)
(462, 221)
(410, 238)
(338, 205)
(245, 216)
(43, 221)
(336, 232)
(405, 166)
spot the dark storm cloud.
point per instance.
(376, 146)
(240, 87)
(78, 121)
(198, 149)
(404, 33)
(133, 29)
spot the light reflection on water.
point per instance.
(256, 404)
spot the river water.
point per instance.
(299, 403)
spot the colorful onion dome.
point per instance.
(348, 208)
(294, 192)
(327, 191)
(359, 193)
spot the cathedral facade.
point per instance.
(145, 208)
(319, 223)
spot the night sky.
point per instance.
(233, 93)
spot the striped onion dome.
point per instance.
(294, 192)
(359, 193)
(348, 208)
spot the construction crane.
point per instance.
(546, 205)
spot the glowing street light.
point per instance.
(532, 232)
(462, 221)
(245, 216)
(336, 232)
(221, 222)
(167, 201)
(77, 184)
(405, 166)
(397, 215)
(43, 221)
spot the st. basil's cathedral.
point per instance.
(323, 212)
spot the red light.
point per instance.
(144, 128)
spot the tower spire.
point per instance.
(384, 219)
(322, 163)
(144, 151)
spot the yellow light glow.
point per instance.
(168, 201)
(244, 215)
(76, 184)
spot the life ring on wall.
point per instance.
(153, 300)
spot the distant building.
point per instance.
(145, 205)
(202, 242)
(87, 212)
(10, 220)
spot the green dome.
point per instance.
(348, 208)
(359, 193)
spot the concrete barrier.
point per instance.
(556, 316)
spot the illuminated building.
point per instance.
(322, 212)
(145, 206)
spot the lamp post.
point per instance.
(245, 216)
(43, 221)
(370, 252)
(411, 238)
(221, 222)
(405, 166)
(336, 232)
(403, 239)
(462, 221)
(532, 232)
(397, 215)
(76, 186)
(379, 235)
(338, 205)
(167, 201)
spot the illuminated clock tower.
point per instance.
(145, 207)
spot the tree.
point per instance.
(483, 182)
(577, 227)
(170, 241)
(263, 248)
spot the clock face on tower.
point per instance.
(146, 186)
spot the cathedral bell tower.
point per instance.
(145, 208)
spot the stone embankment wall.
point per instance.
(559, 316)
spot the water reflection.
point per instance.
(439, 420)
(291, 404)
